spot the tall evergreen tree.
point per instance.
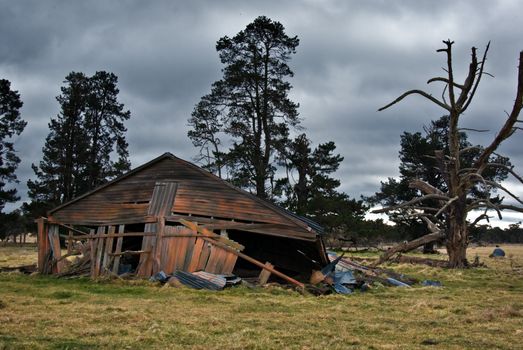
(309, 188)
(250, 103)
(77, 151)
(60, 172)
(104, 126)
(11, 124)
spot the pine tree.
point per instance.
(250, 104)
(309, 188)
(11, 124)
(77, 151)
(104, 126)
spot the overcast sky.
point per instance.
(353, 57)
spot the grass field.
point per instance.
(476, 309)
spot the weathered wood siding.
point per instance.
(197, 194)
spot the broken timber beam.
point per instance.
(206, 232)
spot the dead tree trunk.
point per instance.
(457, 235)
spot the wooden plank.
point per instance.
(220, 261)
(265, 274)
(195, 256)
(118, 249)
(130, 234)
(181, 248)
(71, 220)
(130, 252)
(99, 253)
(193, 226)
(171, 250)
(148, 243)
(108, 250)
(230, 262)
(191, 241)
(93, 243)
(164, 255)
(54, 240)
(213, 257)
(156, 253)
(43, 243)
(204, 256)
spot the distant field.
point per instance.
(16, 255)
(476, 309)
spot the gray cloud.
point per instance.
(353, 58)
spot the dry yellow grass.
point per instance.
(476, 309)
(16, 255)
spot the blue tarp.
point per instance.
(498, 253)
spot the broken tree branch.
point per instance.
(443, 208)
(480, 74)
(497, 185)
(408, 246)
(409, 203)
(419, 92)
(506, 130)
(509, 169)
(510, 207)
(445, 80)
(426, 188)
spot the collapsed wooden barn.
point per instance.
(169, 215)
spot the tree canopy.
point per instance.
(249, 105)
(309, 188)
(11, 124)
(243, 129)
(88, 130)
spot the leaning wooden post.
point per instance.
(54, 242)
(118, 250)
(265, 274)
(43, 243)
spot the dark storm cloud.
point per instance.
(353, 57)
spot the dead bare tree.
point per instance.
(449, 220)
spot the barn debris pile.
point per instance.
(344, 276)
